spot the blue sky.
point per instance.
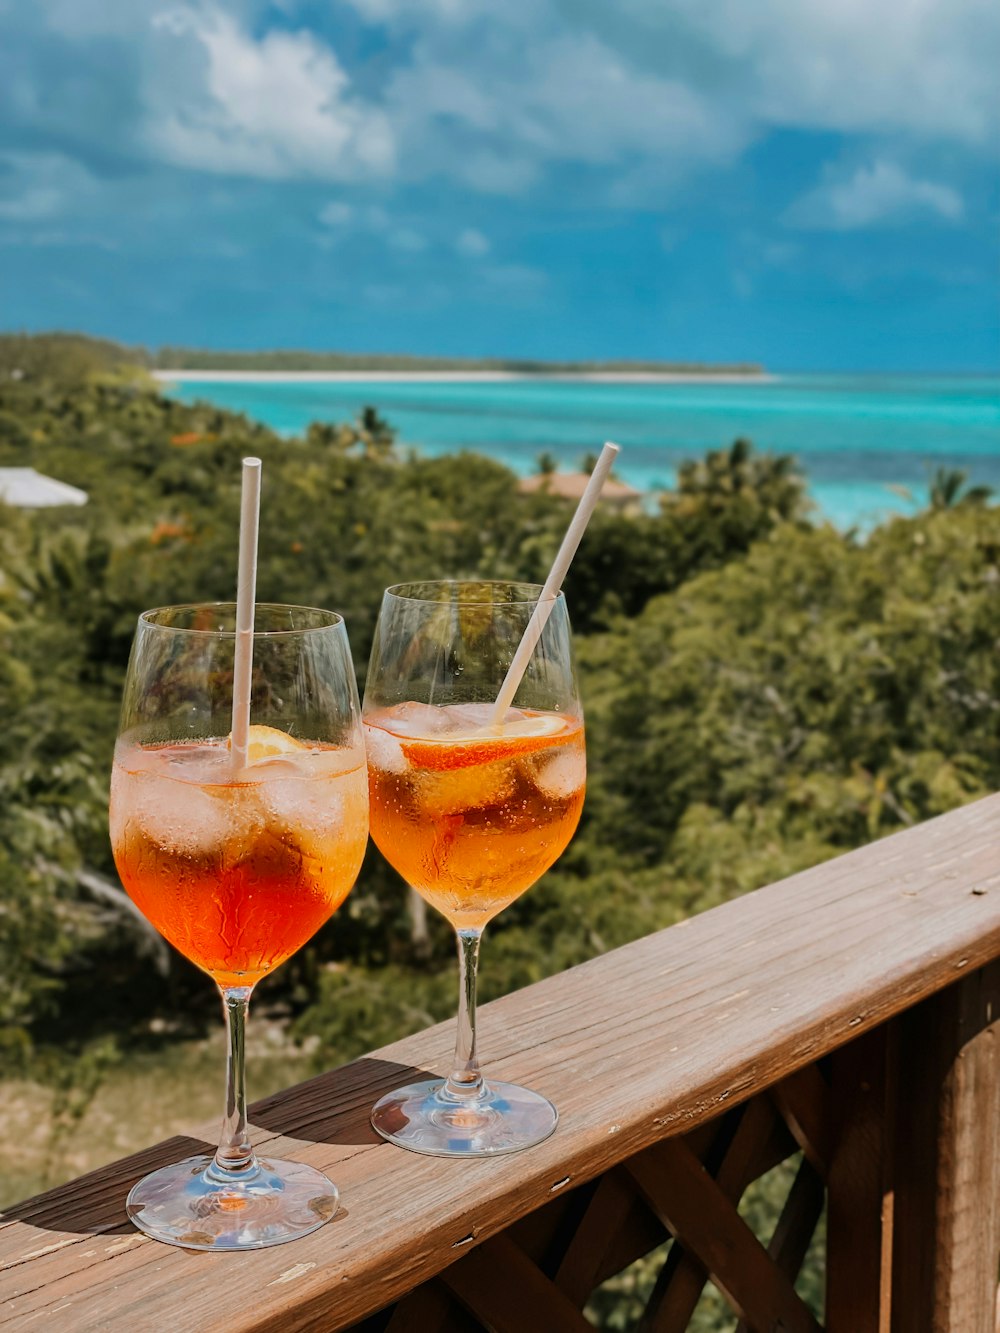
(813, 185)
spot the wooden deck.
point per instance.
(851, 1011)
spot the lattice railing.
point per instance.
(541, 1273)
(845, 1021)
(844, 1120)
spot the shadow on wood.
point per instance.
(848, 1012)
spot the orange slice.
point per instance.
(453, 751)
(268, 743)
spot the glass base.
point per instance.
(192, 1205)
(504, 1118)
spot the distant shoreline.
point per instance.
(461, 377)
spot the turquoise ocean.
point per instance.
(869, 445)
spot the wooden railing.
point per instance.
(849, 1012)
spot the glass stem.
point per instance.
(235, 1152)
(465, 1079)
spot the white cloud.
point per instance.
(341, 219)
(585, 97)
(511, 110)
(877, 195)
(780, 254)
(472, 243)
(653, 89)
(279, 106)
(37, 187)
(336, 214)
(491, 171)
(382, 11)
(37, 201)
(407, 240)
(636, 95)
(919, 67)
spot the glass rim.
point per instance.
(396, 590)
(147, 618)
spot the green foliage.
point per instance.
(343, 517)
(800, 701)
(722, 505)
(191, 358)
(64, 358)
(761, 693)
(948, 488)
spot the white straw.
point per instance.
(547, 598)
(246, 592)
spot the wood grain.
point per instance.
(803, 1100)
(859, 1210)
(429, 1309)
(707, 1225)
(646, 1042)
(947, 1248)
(741, 1158)
(605, 1218)
(508, 1294)
(790, 1242)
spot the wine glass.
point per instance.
(470, 813)
(237, 863)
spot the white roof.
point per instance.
(24, 488)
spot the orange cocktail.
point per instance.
(472, 816)
(472, 800)
(238, 820)
(239, 870)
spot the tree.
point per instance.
(948, 489)
(723, 504)
(759, 693)
(374, 433)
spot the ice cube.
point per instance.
(180, 817)
(313, 816)
(384, 750)
(192, 762)
(561, 773)
(334, 761)
(419, 721)
(301, 806)
(465, 719)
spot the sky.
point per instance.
(814, 186)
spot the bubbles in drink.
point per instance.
(237, 870)
(470, 788)
(471, 814)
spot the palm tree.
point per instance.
(948, 490)
(375, 434)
